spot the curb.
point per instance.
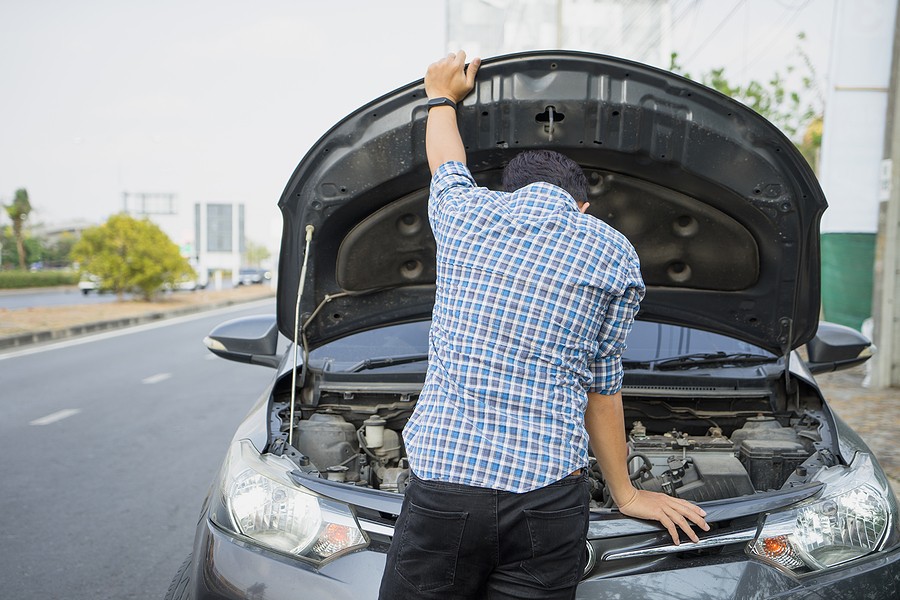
(49, 335)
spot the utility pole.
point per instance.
(886, 309)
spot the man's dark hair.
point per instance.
(532, 166)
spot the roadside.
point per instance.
(874, 414)
(26, 326)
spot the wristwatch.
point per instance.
(441, 101)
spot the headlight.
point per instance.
(258, 499)
(851, 519)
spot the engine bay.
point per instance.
(690, 447)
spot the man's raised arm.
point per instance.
(447, 78)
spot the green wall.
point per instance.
(847, 261)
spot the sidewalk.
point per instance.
(873, 414)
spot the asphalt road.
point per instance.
(63, 295)
(107, 447)
(58, 296)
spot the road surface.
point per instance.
(107, 447)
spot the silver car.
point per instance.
(720, 407)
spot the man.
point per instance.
(533, 302)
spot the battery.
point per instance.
(770, 462)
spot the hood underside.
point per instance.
(721, 208)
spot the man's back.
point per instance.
(533, 303)
(534, 300)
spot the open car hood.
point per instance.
(722, 209)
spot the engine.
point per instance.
(364, 448)
(371, 455)
(759, 456)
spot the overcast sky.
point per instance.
(218, 100)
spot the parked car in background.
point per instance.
(89, 283)
(185, 284)
(253, 275)
(720, 406)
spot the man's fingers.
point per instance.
(698, 520)
(692, 512)
(471, 71)
(670, 527)
(679, 520)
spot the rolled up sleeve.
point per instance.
(452, 186)
(607, 366)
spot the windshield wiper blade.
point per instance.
(636, 364)
(386, 361)
(705, 359)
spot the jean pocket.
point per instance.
(557, 545)
(429, 547)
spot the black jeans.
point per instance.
(455, 541)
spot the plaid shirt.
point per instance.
(533, 304)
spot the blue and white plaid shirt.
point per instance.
(533, 304)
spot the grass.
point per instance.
(27, 279)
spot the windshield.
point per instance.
(655, 341)
(646, 342)
(408, 339)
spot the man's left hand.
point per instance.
(449, 78)
(673, 513)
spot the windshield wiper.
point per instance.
(636, 364)
(386, 361)
(706, 359)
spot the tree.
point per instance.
(797, 112)
(255, 253)
(58, 253)
(18, 212)
(130, 254)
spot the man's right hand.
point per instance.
(448, 77)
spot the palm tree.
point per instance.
(18, 213)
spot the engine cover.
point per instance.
(689, 467)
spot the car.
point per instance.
(721, 403)
(89, 283)
(187, 283)
(253, 275)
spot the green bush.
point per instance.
(26, 279)
(131, 254)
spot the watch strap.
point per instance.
(440, 101)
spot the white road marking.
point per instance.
(57, 416)
(156, 378)
(133, 329)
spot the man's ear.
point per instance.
(584, 206)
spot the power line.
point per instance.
(649, 6)
(653, 41)
(785, 24)
(716, 30)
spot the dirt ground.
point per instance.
(25, 320)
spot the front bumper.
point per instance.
(874, 577)
(226, 567)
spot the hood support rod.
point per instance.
(300, 284)
(787, 335)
